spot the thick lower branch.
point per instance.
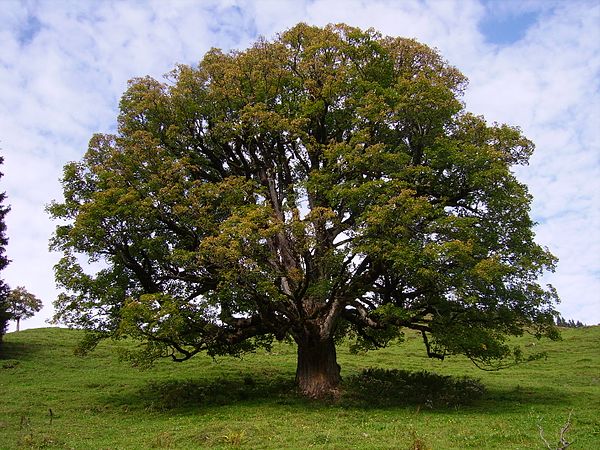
(233, 332)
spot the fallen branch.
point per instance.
(562, 443)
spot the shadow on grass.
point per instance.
(15, 351)
(504, 400)
(36, 343)
(372, 388)
(190, 394)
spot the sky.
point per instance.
(530, 63)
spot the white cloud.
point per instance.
(61, 78)
(548, 83)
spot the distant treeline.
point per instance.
(562, 322)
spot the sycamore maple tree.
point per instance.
(325, 184)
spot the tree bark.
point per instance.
(317, 373)
(18, 322)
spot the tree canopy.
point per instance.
(22, 304)
(327, 183)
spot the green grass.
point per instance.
(100, 402)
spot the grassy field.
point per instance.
(50, 398)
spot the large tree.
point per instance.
(328, 183)
(4, 289)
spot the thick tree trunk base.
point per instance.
(317, 373)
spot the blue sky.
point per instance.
(531, 63)
(506, 26)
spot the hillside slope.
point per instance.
(51, 398)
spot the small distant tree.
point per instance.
(22, 304)
(4, 289)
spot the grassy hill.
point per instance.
(50, 398)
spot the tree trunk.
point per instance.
(18, 322)
(317, 373)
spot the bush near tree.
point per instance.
(324, 184)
